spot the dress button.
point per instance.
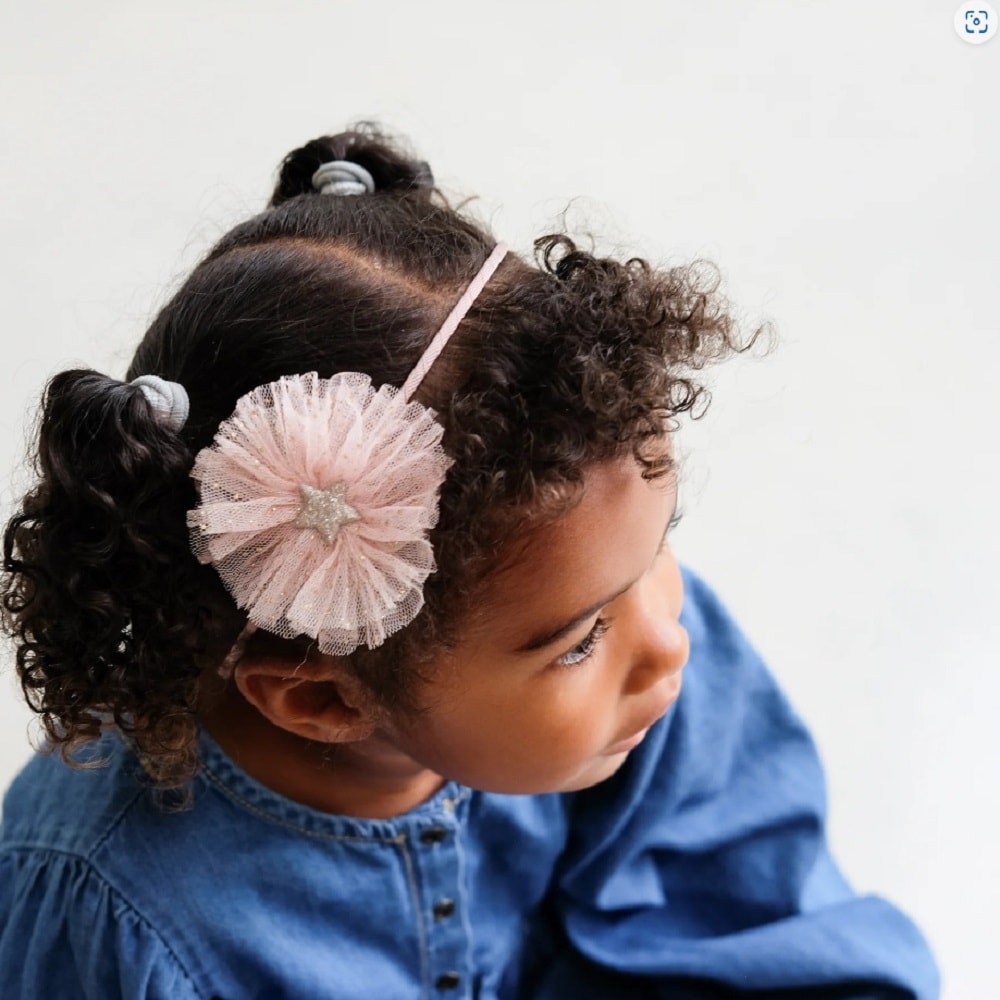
(448, 980)
(444, 908)
(433, 835)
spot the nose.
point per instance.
(661, 653)
(660, 644)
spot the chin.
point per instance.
(603, 769)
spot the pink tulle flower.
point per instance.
(316, 498)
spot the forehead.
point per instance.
(607, 540)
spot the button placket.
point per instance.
(437, 854)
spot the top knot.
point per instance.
(364, 160)
(343, 177)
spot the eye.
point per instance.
(583, 650)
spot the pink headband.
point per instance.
(317, 496)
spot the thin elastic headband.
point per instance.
(455, 317)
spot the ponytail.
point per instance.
(100, 589)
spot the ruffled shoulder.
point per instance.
(64, 932)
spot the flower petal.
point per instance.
(303, 431)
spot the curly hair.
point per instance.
(562, 362)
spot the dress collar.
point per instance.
(219, 773)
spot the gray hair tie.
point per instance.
(343, 177)
(169, 400)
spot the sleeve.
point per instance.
(702, 869)
(66, 935)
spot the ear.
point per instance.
(319, 698)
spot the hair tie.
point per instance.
(317, 496)
(343, 177)
(169, 400)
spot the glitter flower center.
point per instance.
(325, 511)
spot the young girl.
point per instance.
(353, 612)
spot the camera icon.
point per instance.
(976, 22)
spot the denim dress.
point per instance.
(699, 870)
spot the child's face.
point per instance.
(553, 718)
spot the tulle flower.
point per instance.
(316, 498)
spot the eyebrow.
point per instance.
(547, 637)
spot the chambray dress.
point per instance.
(699, 870)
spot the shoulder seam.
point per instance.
(112, 826)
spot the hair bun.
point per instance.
(390, 166)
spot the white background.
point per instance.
(839, 161)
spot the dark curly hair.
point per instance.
(561, 363)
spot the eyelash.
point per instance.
(583, 650)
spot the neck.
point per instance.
(368, 779)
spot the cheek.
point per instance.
(529, 738)
(570, 715)
(558, 710)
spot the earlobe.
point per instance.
(321, 701)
